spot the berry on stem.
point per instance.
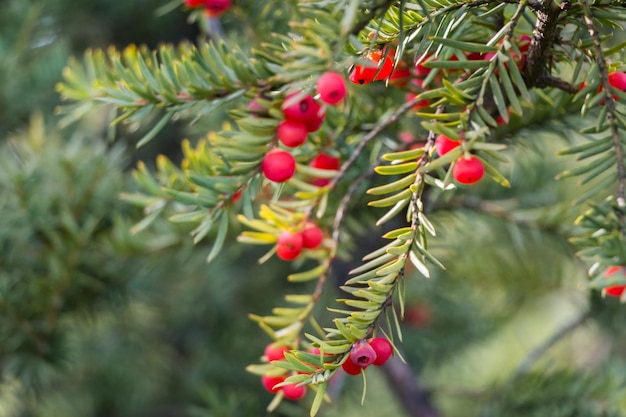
(615, 290)
(278, 165)
(294, 391)
(618, 81)
(468, 170)
(300, 107)
(192, 4)
(331, 87)
(314, 122)
(312, 236)
(324, 161)
(275, 353)
(215, 8)
(383, 349)
(269, 382)
(351, 368)
(444, 144)
(291, 134)
(362, 354)
(289, 245)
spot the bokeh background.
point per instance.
(98, 322)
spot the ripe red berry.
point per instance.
(289, 245)
(194, 3)
(312, 236)
(331, 87)
(313, 124)
(618, 80)
(420, 70)
(363, 74)
(362, 354)
(278, 165)
(444, 144)
(468, 170)
(214, 8)
(294, 391)
(275, 353)
(324, 161)
(300, 107)
(383, 350)
(400, 76)
(615, 290)
(351, 368)
(270, 381)
(291, 134)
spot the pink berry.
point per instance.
(362, 354)
(275, 353)
(615, 290)
(468, 170)
(278, 165)
(289, 245)
(294, 391)
(383, 350)
(214, 8)
(331, 87)
(312, 236)
(269, 382)
(291, 134)
(444, 144)
(299, 107)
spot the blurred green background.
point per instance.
(95, 321)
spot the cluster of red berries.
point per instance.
(375, 351)
(302, 115)
(617, 80)
(468, 169)
(615, 290)
(290, 391)
(290, 244)
(212, 8)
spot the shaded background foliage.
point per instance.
(139, 325)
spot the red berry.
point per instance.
(386, 66)
(618, 80)
(270, 381)
(468, 170)
(256, 109)
(615, 290)
(214, 8)
(313, 124)
(294, 391)
(278, 165)
(289, 245)
(331, 87)
(291, 134)
(362, 354)
(366, 74)
(420, 70)
(524, 43)
(400, 76)
(194, 3)
(351, 368)
(324, 161)
(383, 350)
(444, 144)
(300, 107)
(275, 353)
(312, 236)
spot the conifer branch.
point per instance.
(610, 107)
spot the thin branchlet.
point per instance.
(609, 102)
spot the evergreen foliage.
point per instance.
(503, 79)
